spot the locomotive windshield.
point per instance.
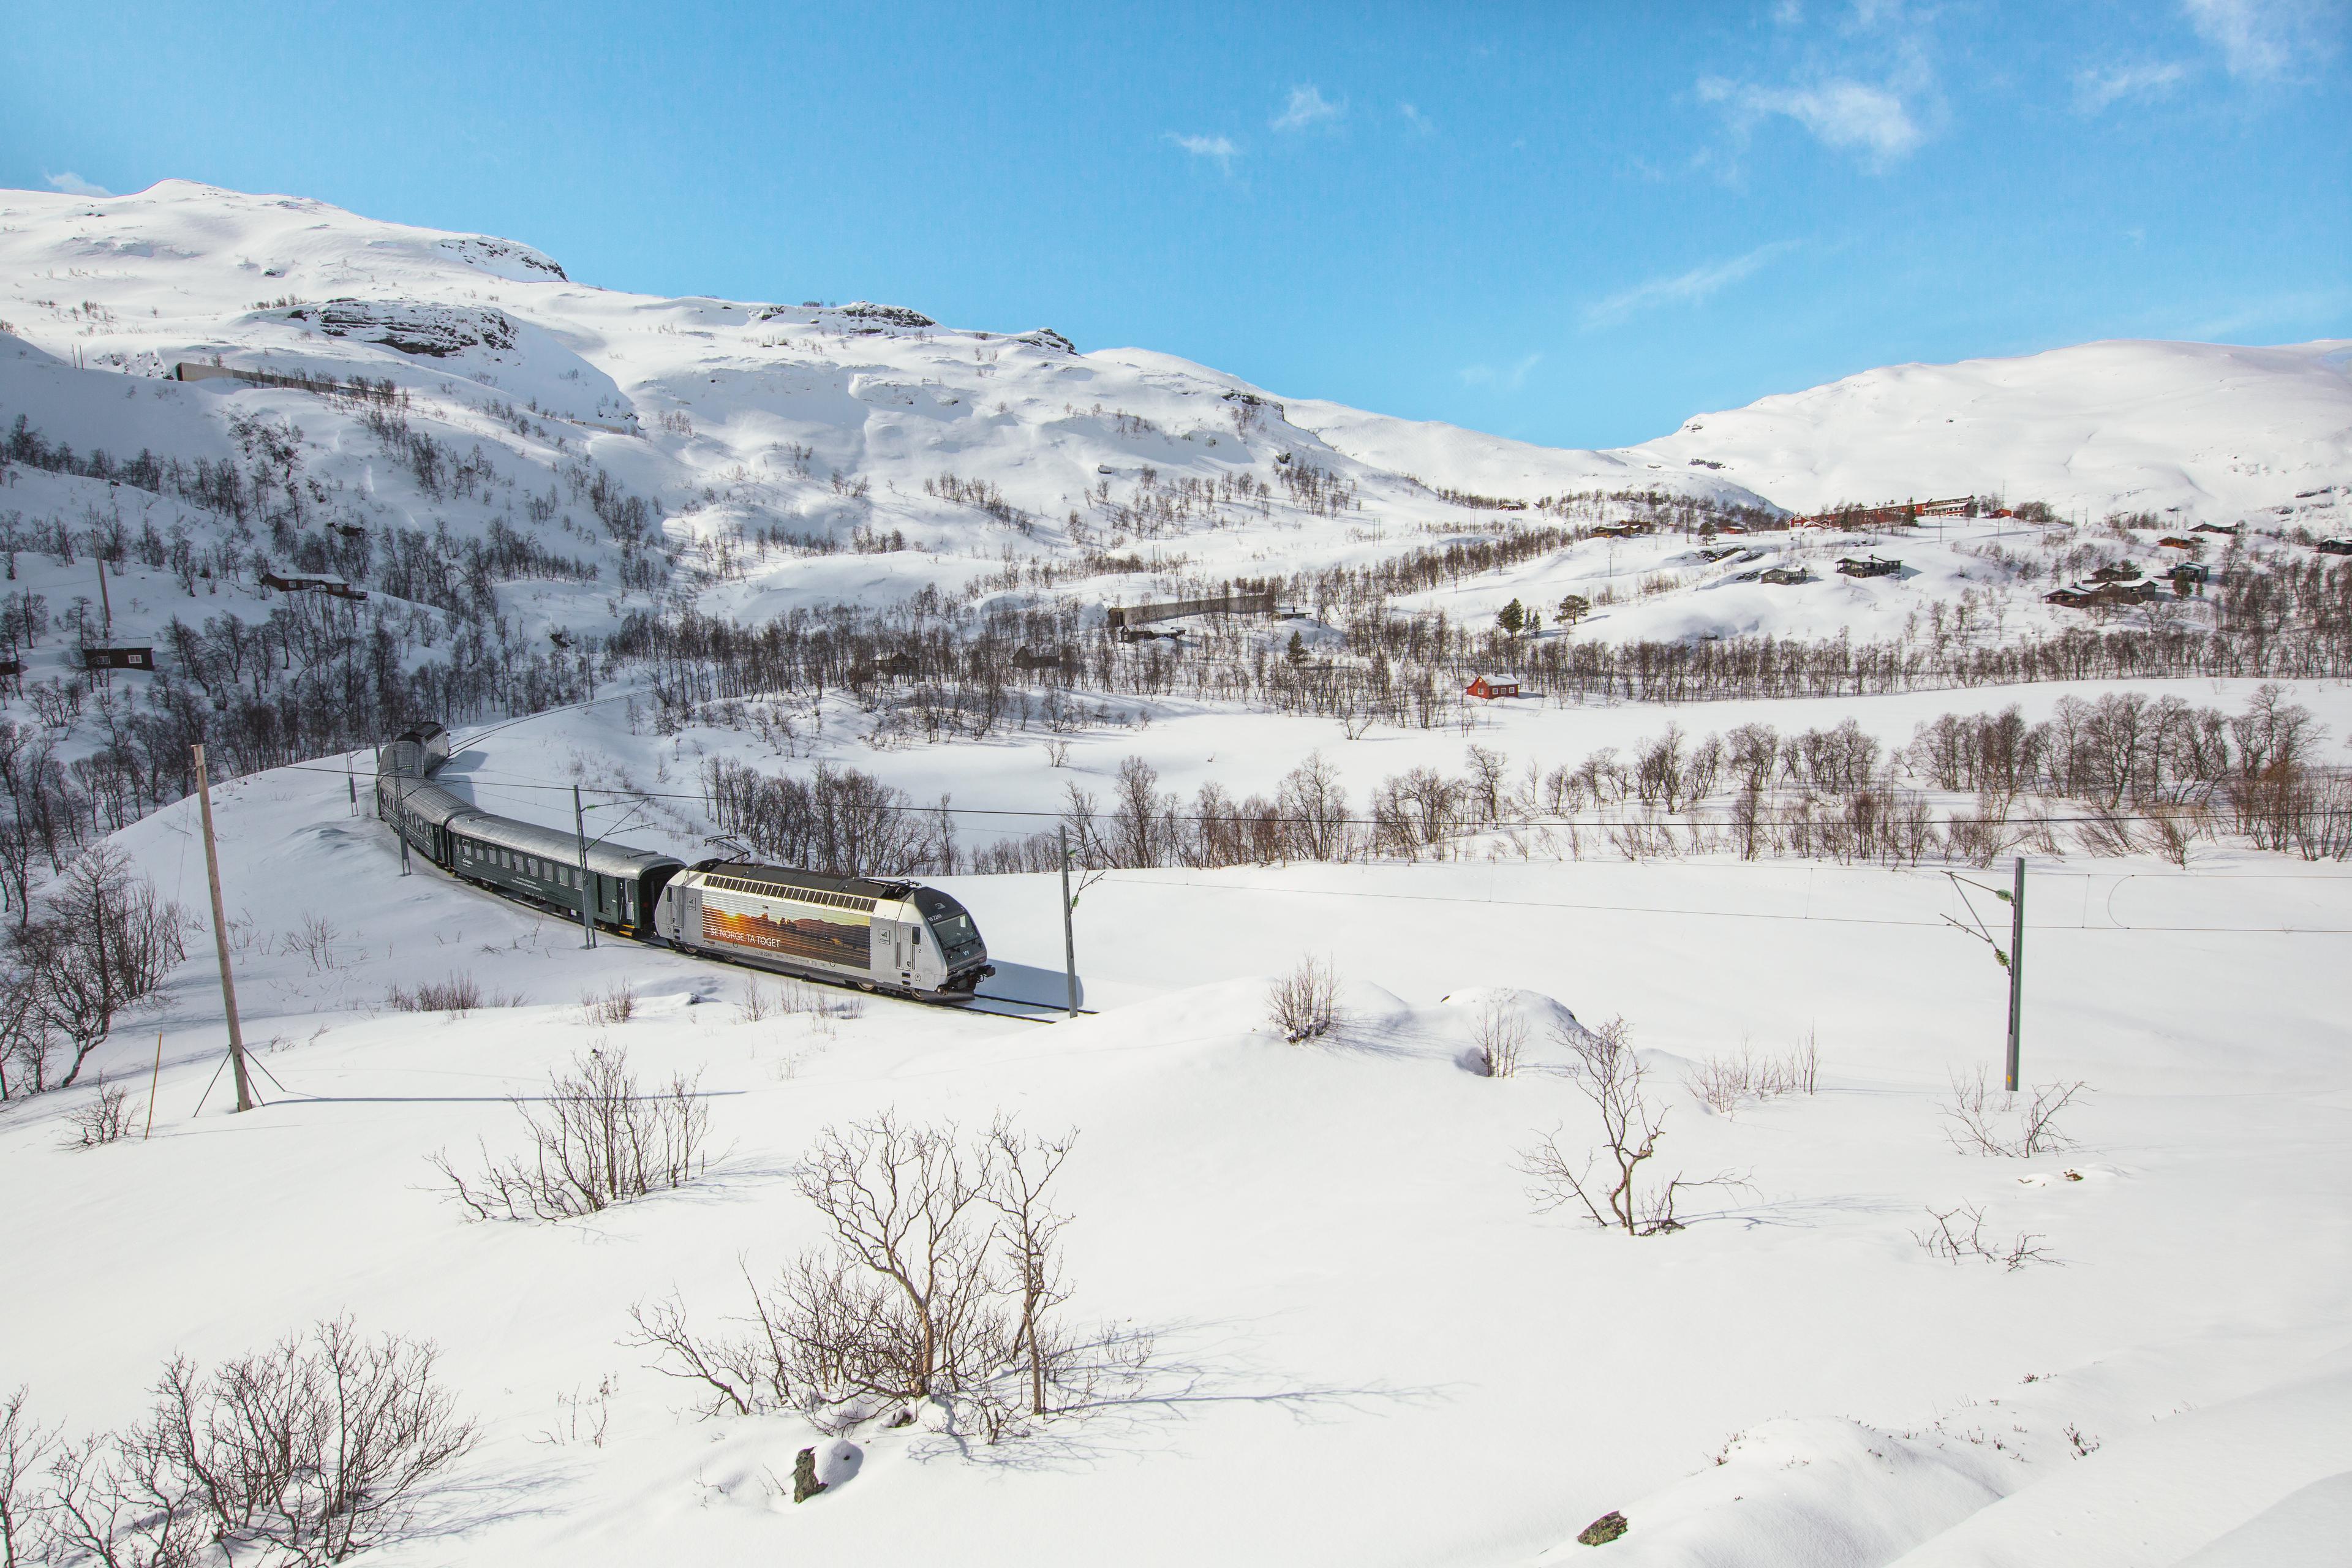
(948, 922)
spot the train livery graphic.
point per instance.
(844, 938)
(883, 934)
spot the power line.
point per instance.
(1808, 918)
(519, 783)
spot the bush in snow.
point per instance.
(1723, 1084)
(100, 945)
(1957, 1235)
(25, 1448)
(617, 1006)
(597, 1138)
(942, 1283)
(104, 1118)
(1304, 1004)
(458, 995)
(307, 1452)
(1498, 1037)
(1979, 1120)
(1609, 1183)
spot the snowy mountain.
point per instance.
(2196, 431)
(740, 415)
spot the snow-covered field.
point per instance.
(1370, 1348)
(1370, 1343)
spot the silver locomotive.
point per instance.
(878, 935)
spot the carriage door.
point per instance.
(901, 938)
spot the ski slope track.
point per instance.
(1369, 1345)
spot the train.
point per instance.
(876, 933)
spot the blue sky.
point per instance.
(1571, 224)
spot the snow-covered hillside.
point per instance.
(814, 420)
(1368, 1347)
(2188, 431)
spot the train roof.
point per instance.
(555, 844)
(785, 879)
(429, 801)
(406, 758)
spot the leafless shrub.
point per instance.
(2103, 830)
(1619, 1195)
(1498, 1036)
(756, 1005)
(942, 1281)
(582, 1418)
(2173, 831)
(102, 944)
(309, 1452)
(1980, 1120)
(460, 994)
(799, 996)
(617, 1006)
(1304, 1004)
(1028, 1231)
(315, 940)
(1723, 1084)
(1978, 839)
(104, 1118)
(1957, 1235)
(598, 1140)
(25, 1448)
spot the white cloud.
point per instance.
(1417, 119)
(1843, 114)
(1788, 14)
(2264, 38)
(74, 184)
(1684, 288)
(1508, 379)
(1308, 106)
(1219, 149)
(2099, 86)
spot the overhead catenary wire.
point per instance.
(1806, 917)
(935, 809)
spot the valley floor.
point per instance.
(1370, 1348)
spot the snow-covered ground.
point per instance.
(2186, 429)
(1371, 1348)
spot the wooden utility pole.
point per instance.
(1069, 937)
(587, 883)
(220, 936)
(154, 1082)
(105, 604)
(2016, 970)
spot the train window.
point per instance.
(918, 937)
